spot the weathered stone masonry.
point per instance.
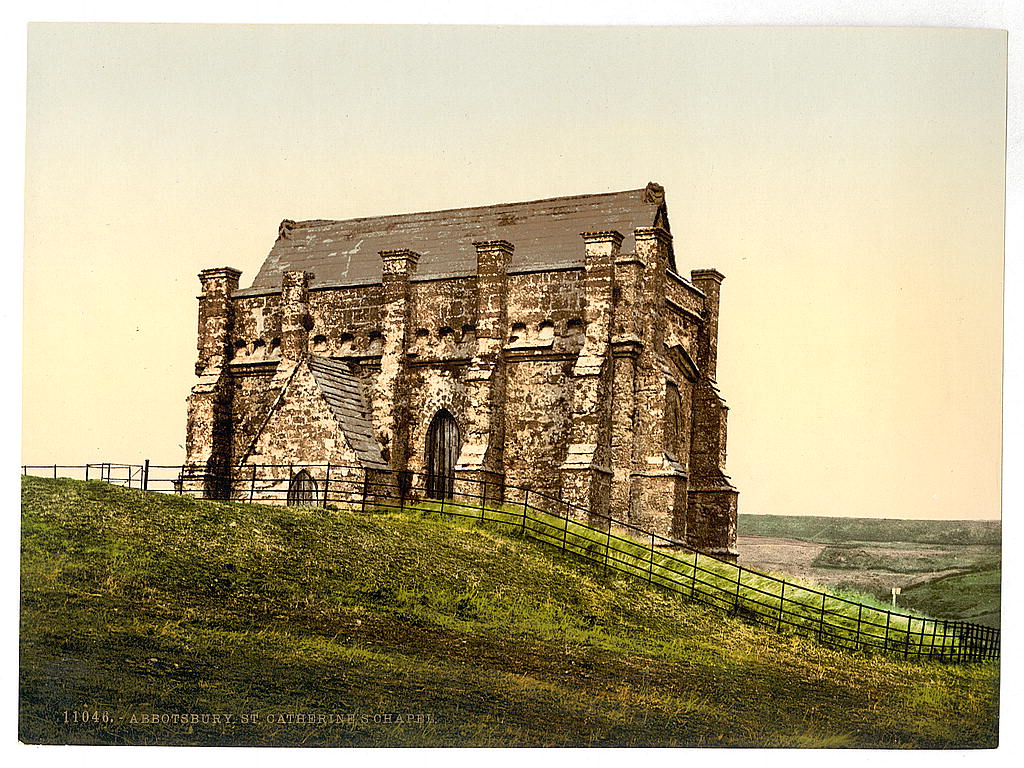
(554, 342)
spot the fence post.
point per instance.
(366, 484)
(327, 484)
(252, 484)
(856, 639)
(888, 618)
(736, 597)
(86, 472)
(821, 619)
(782, 605)
(145, 475)
(54, 471)
(920, 643)
(693, 580)
(565, 531)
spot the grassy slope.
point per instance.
(136, 603)
(973, 596)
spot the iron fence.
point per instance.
(614, 545)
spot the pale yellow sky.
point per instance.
(848, 182)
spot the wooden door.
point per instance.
(443, 446)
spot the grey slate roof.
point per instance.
(343, 392)
(545, 233)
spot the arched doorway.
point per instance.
(302, 490)
(443, 446)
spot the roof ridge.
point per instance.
(322, 222)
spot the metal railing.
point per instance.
(614, 545)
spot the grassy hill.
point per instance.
(138, 607)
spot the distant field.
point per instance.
(834, 530)
(925, 559)
(946, 568)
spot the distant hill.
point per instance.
(835, 530)
(332, 628)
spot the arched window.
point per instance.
(443, 446)
(302, 490)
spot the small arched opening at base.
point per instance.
(302, 490)
(443, 446)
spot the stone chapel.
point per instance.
(552, 345)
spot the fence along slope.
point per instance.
(612, 544)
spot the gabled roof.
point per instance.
(545, 233)
(343, 392)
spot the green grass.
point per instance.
(838, 530)
(852, 619)
(973, 596)
(136, 604)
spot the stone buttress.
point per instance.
(208, 431)
(392, 416)
(712, 500)
(482, 456)
(658, 478)
(586, 472)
